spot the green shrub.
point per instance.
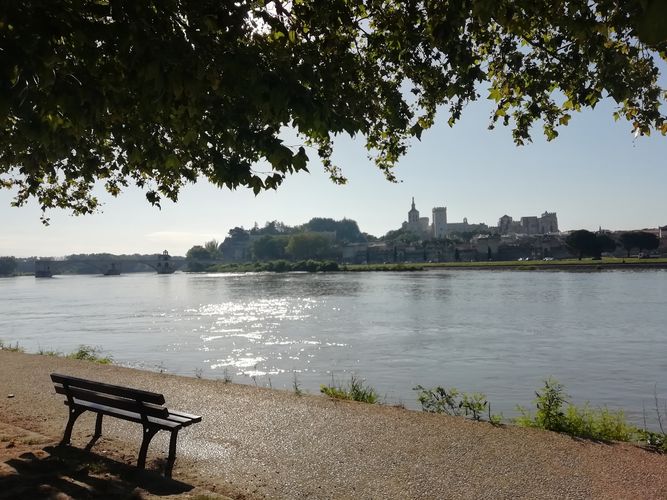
(300, 265)
(597, 423)
(355, 391)
(452, 402)
(328, 266)
(600, 424)
(656, 441)
(88, 353)
(495, 419)
(439, 400)
(474, 405)
(549, 405)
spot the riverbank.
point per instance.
(607, 263)
(262, 443)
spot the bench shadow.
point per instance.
(77, 473)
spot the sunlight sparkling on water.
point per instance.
(249, 325)
(500, 333)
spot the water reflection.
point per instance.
(497, 332)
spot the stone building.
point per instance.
(439, 222)
(415, 224)
(465, 227)
(547, 223)
(530, 225)
(507, 225)
(439, 228)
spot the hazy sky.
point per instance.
(594, 174)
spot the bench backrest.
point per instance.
(115, 396)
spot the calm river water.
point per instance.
(601, 334)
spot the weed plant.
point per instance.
(555, 413)
(656, 441)
(452, 402)
(355, 391)
(10, 347)
(296, 386)
(48, 352)
(89, 353)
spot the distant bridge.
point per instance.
(46, 268)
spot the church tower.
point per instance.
(413, 215)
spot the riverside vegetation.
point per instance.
(356, 390)
(552, 410)
(283, 266)
(84, 353)
(553, 413)
(277, 266)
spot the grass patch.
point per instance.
(354, 391)
(46, 352)
(383, 267)
(545, 264)
(11, 348)
(84, 353)
(89, 353)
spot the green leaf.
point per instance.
(652, 24)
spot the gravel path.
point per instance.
(261, 443)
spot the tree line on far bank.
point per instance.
(317, 239)
(321, 240)
(8, 266)
(585, 243)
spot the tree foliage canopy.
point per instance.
(269, 247)
(162, 93)
(308, 246)
(8, 266)
(347, 230)
(641, 240)
(583, 242)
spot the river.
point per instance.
(602, 334)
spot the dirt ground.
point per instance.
(261, 443)
(33, 466)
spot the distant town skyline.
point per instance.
(595, 174)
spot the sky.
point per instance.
(595, 174)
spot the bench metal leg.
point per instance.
(149, 432)
(98, 432)
(172, 453)
(74, 413)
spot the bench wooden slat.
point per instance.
(183, 421)
(116, 390)
(193, 418)
(113, 401)
(126, 415)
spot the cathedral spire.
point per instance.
(413, 203)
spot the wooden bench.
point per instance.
(146, 408)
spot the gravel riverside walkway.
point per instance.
(262, 443)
